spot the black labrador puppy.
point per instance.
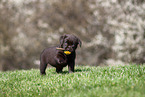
(60, 56)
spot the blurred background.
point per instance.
(112, 31)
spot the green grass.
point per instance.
(117, 81)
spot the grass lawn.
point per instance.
(115, 81)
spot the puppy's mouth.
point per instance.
(67, 52)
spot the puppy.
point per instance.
(57, 57)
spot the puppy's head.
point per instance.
(69, 42)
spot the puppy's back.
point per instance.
(48, 55)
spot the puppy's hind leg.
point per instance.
(43, 66)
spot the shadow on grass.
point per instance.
(76, 70)
(82, 70)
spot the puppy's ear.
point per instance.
(62, 40)
(79, 42)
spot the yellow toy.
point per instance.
(67, 52)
